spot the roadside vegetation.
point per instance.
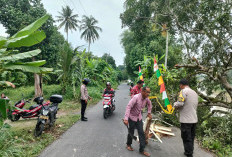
(199, 48)
(36, 60)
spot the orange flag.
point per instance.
(161, 81)
(162, 88)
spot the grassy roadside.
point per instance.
(19, 141)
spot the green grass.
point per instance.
(19, 141)
(28, 92)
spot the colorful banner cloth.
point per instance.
(162, 88)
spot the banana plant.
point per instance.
(11, 59)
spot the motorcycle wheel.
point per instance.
(39, 129)
(113, 107)
(52, 121)
(14, 118)
(105, 113)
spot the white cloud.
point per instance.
(2, 31)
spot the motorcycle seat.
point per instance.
(33, 107)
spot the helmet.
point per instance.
(132, 84)
(86, 81)
(108, 84)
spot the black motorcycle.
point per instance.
(48, 115)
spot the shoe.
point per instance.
(188, 155)
(83, 119)
(128, 147)
(145, 153)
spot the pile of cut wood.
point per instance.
(157, 131)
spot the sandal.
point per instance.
(129, 148)
(145, 153)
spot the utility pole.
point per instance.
(166, 54)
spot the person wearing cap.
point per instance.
(108, 89)
(84, 98)
(137, 88)
(187, 106)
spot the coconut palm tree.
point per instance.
(90, 30)
(68, 20)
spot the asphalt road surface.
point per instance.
(101, 137)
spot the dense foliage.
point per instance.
(13, 60)
(203, 30)
(153, 43)
(16, 14)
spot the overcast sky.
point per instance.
(107, 13)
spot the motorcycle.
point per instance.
(108, 105)
(33, 110)
(21, 103)
(47, 115)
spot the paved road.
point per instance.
(106, 138)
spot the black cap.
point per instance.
(86, 81)
(184, 81)
(140, 82)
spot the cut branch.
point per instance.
(211, 113)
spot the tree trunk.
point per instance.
(89, 47)
(67, 36)
(226, 84)
(38, 85)
(166, 54)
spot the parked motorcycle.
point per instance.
(108, 105)
(22, 103)
(48, 115)
(33, 110)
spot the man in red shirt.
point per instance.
(137, 88)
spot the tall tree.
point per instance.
(11, 59)
(90, 30)
(68, 20)
(109, 59)
(203, 29)
(67, 59)
(17, 14)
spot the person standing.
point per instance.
(3, 96)
(187, 105)
(137, 88)
(131, 87)
(84, 98)
(133, 118)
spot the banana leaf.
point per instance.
(32, 27)
(2, 41)
(27, 40)
(34, 63)
(27, 68)
(19, 56)
(2, 51)
(7, 83)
